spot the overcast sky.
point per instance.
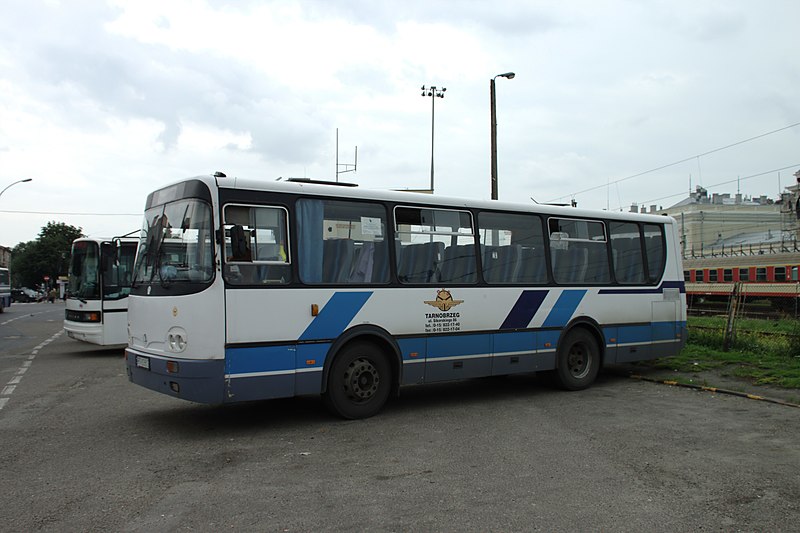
(103, 102)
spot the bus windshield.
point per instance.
(4, 278)
(84, 271)
(117, 269)
(176, 245)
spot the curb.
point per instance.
(714, 389)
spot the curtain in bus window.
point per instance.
(309, 223)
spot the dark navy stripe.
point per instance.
(657, 290)
(522, 313)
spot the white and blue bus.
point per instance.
(248, 290)
(100, 273)
(5, 289)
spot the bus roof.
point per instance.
(315, 187)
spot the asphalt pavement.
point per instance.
(85, 450)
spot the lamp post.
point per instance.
(18, 181)
(434, 93)
(510, 76)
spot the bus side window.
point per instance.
(654, 246)
(341, 242)
(512, 247)
(626, 252)
(256, 251)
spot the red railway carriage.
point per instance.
(770, 276)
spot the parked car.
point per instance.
(25, 295)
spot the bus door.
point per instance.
(665, 317)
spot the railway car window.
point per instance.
(654, 246)
(727, 274)
(780, 273)
(698, 276)
(761, 274)
(687, 276)
(794, 274)
(712, 275)
(512, 248)
(744, 274)
(626, 252)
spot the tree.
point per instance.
(48, 255)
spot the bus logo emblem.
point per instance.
(444, 301)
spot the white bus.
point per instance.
(100, 273)
(249, 290)
(5, 289)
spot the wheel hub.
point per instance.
(577, 361)
(361, 380)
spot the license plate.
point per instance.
(143, 362)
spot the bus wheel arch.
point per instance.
(580, 355)
(361, 372)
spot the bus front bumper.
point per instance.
(199, 381)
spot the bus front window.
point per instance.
(84, 271)
(117, 268)
(176, 245)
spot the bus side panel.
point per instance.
(413, 352)
(458, 357)
(115, 322)
(610, 335)
(261, 372)
(514, 353)
(309, 363)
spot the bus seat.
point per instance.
(419, 263)
(501, 264)
(569, 266)
(533, 266)
(380, 262)
(363, 263)
(628, 266)
(458, 264)
(597, 270)
(337, 260)
(240, 244)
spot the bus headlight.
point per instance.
(176, 339)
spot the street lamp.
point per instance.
(434, 93)
(510, 76)
(18, 181)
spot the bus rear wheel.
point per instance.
(578, 360)
(359, 381)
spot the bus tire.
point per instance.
(359, 381)
(578, 360)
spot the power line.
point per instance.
(73, 214)
(722, 183)
(662, 167)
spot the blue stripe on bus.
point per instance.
(680, 285)
(260, 359)
(564, 308)
(459, 345)
(524, 308)
(337, 314)
(292, 358)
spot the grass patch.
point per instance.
(766, 352)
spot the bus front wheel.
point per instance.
(578, 360)
(359, 381)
